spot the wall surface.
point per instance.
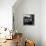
(43, 22)
(6, 13)
(32, 32)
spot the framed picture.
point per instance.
(28, 19)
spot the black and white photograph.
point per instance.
(28, 19)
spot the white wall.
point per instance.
(6, 13)
(43, 22)
(29, 7)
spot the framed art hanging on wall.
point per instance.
(28, 19)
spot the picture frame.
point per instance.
(28, 19)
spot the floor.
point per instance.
(9, 43)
